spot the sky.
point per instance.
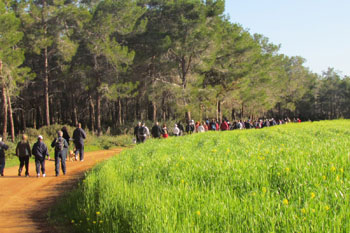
(317, 30)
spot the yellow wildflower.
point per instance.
(72, 221)
(287, 169)
(303, 210)
(313, 195)
(264, 190)
(324, 177)
(333, 169)
(98, 213)
(182, 181)
(313, 210)
(326, 208)
(94, 222)
(285, 202)
(214, 150)
(341, 170)
(101, 221)
(198, 213)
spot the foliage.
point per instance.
(290, 178)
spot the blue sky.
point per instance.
(317, 30)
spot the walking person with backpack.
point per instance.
(23, 152)
(142, 133)
(40, 151)
(60, 144)
(3, 147)
(79, 136)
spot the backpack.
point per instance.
(142, 131)
(59, 145)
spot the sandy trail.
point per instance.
(25, 201)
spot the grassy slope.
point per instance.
(292, 178)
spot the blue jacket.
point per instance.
(39, 150)
(79, 135)
(3, 147)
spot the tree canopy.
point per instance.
(107, 63)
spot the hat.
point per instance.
(40, 137)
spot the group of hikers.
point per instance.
(141, 131)
(40, 151)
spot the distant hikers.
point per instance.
(136, 132)
(40, 151)
(176, 130)
(79, 136)
(61, 146)
(3, 147)
(23, 152)
(156, 131)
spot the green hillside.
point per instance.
(290, 178)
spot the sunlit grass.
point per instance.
(291, 178)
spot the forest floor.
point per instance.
(25, 201)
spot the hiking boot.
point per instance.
(27, 175)
(19, 174)
(44, 175)
(2, 174)
(38, 175)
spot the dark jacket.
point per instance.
(65, 145)
(79, 135)
(23, 149)
(3, 147)
(156, 131)
(66, 135)
(39, 150)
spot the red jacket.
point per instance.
(224, 126)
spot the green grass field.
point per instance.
(290, 178)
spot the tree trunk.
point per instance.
(75, 111)
(23, 118)
(219, 113)
(92, 114)
(4, 107)
(98, 113)
(154, 105)
(12, 127)
(120, 116)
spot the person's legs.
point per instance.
(37, 166)
(63, 164)
(82, 153)
(2, 165)
(43, 167)
(21, 164)
(26, 162)
(76, 151)
(57, 164)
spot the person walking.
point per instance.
(142, 133)
(60, 144)
(156, 131)
(165, 131)
(79, 136)
(176, 131)
(3, 147)
(40, 151)
(23, 152)
(65, 134)
(136, 132)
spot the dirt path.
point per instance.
(24, 202)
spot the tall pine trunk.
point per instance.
(154, 111)
(46, 70)
(4, 110)
(92, 114)
(120, 116)
(12, 127)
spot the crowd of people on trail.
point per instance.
(141, 131)
(41, 153)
